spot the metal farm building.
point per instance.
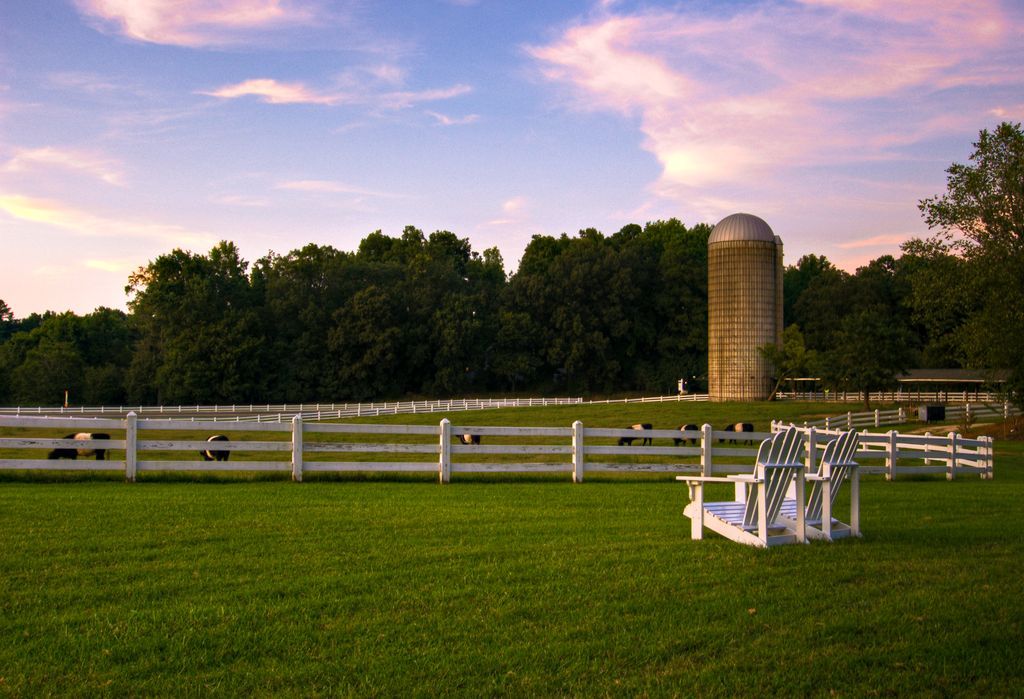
(744, 307)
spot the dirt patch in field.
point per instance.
(1012, 429)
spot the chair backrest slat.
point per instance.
(838, 455)
(780, 457)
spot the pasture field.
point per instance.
(500, 585)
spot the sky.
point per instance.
(129, 128)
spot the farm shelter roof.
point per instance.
(954, 376)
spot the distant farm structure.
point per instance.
(744, 307)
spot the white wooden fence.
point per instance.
(284, 412)
(892, 453)
(300, 447)
(897, 396)
(968, 412)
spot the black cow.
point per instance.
(628, 441)
(469, 438)
(216, 454)
(687, 428)
(74, 453)
(739, 427)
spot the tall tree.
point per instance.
(298, 294)
(7, 324)
(980, 219)
(792, 360)
(797, 278)
(200, 329)
(868, 352)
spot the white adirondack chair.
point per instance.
(755, 519)
(836, 467)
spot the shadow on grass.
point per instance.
(425, 477)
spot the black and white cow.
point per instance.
(739, 427)
(74, 453)
(628, 441)
(687, 428)
(216, 454)
(469, 438)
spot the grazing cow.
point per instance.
(687, 428)
(628, 441)
(739, 427)
(74, 453)
(469, 438)
(216, 454)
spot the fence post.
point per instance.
(131, 447)
(990, 457)
(297, 448)
(849, 420)
(577, 452)
(902, 415)
(812, 449)
(878, 422)
(705, 450)
(444, 466)
(890, 456)
(951, 463)
(1006, 410)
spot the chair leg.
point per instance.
(801, 512)
(855, 502)
(826, 507)
(762, 506)
(697, 514)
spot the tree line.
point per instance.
(591, 313)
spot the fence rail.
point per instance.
(927, 453)
(300, 446)
(966, 413)
(897, 396)
(283, 412)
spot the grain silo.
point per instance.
(744, 307)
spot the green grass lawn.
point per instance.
(499, 585)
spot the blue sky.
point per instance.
(131, 127)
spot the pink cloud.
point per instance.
(877, 241)
(445, 120)
(1013, 112)
(86, 223)
(85, 162)
(274, 92)
(195, 22)
(736, 101)
(329, 187)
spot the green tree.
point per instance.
(828, 296)
(867, 353)
(797, 278)
(368, 345)
(298, 294)
(201, 336)
(49, 369)
(7, 323)
(980, 219)
(792, 360)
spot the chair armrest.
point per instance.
(705, 479)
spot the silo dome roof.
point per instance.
(741, 227)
